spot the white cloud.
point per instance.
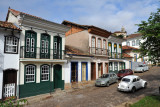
(108, 14)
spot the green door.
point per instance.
(57, 51)
(58, 82)
(30, 44)
(45, 46)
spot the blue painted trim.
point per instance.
(136, 57)
(86, 70)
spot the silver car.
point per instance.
(106, 79)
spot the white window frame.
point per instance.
(11, 43)
(128, 43)
(133, 43)
(43, 67)
(30, 73)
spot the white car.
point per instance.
(141, 68)
(131, 83)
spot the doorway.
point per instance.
(58, 76)
(9, 83)
(93, 71)
(74, 71)
(84, 76)
(106, 67)
(100, 69)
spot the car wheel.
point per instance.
(107, 84)
(145, 85)
(133, 89)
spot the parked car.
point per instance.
(131, 83)
(141, 68)
(124, 72)
(106, 79)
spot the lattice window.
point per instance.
(45, 73)
(11, 44)
(30, 73)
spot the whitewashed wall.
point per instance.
(67, 69)
(7, 60)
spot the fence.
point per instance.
(9, 90)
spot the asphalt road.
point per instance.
(103, 96)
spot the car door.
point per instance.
(139, 85)
(111, 79)
(114, 77)
(134, 82)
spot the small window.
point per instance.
(138, 79)
(137, 42)
(11, 44)
(133, 43)
(30, 73)
(134, 80)
(128, 43)
(45, 72)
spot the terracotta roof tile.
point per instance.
(16, 13)
(128, 48)
(8, 25)
(126, 55)
(133, 35)
(72, 50)
(90, 28)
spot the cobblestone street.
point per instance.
(102, 96)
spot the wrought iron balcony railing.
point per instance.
(98, 51)
(115, 55)
(41, 53)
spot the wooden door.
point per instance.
(74, 72)
(57, 51)
(9, 83)
(93, 71)
(84, 68)
(57, 76)
(30, 45)
(45, 46)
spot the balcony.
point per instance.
(41, 53)
(98, 51)
(115, 55)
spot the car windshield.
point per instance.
(121, 71)
(126, 80)
(104, 76)
(140, 65)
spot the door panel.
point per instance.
(57, 52)
(93, 71)
(45, 46)
(74, 72)
(58, 76)
(84, 68)
(30, 45)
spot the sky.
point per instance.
(110, 15)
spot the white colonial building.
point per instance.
(9, 59)
(42, 47)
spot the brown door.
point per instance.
(93, 71)
(9, 83)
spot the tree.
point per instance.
(150, 31)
